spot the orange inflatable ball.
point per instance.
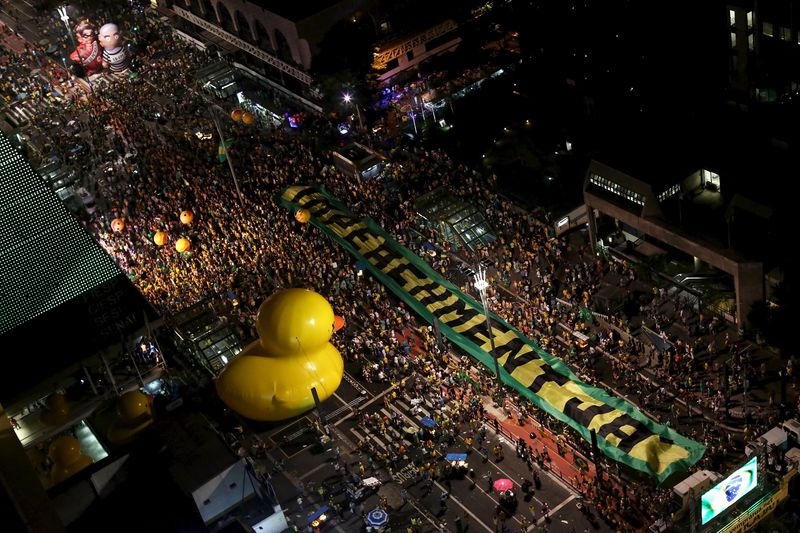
(182, 244)
(303, 215)
(133, 405)
(338, 322)
(294, 321)
(160, 238)
(186, 216)
(248, 118)
(236, 114)
(118, 224)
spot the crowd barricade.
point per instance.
(571, 468)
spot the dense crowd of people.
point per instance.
(243, 246)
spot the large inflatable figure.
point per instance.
(272, 378)
(88, 52)
(134, 413)
(115, 55)
(65, 452)
(56, 410)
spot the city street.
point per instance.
(471, 498)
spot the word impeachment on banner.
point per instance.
(624, 434)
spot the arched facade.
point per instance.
(258, 26)
(243, 30)
(207, 10)
(225, 19)
(262, 37)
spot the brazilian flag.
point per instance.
(222, 150)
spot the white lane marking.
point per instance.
(478, 520)
(555, 509)
(319, 467)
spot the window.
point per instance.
(785, 33)
(710, 180)
(749, 20)
(766, 29)
(616, 188)
(732, 16)
(750, 42)
(672, 191)
(733, 39)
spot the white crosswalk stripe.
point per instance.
(369, 437)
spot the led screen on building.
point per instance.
(729, 491)
(46, 257)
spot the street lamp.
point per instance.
(348, 99)
(64, 16)
(481, 285)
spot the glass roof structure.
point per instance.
(46, 257)
(458, 222)
(211, 341)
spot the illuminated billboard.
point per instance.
(729, 491)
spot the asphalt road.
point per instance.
(474, 504)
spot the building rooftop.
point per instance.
(295, 11)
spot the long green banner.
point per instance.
(623, 433)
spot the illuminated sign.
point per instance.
(729, 491)
(382, 57)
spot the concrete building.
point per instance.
(674, 208)
(764, 44)
(278, 39)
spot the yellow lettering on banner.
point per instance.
(658, 455)
(555, 395)
(522, 351)
(450, 300)
(394, 263)
(412, 281)
(439, 290)
(503, 338)
(559, 395)
(368, 244)
(331, 213)
(602, 419)
(498, 334)
(347, 230)
(466, 326)
(628, 430)
(613, 440)
(291, 192)
(526, 374)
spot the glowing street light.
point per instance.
(348, 99)
(481, 284)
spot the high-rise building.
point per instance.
(764, 44)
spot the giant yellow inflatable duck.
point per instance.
(273, 376)
(134, 413)
(65, 452)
